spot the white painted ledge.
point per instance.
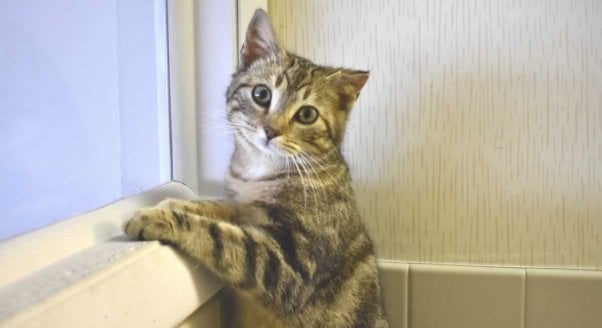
(84, 272)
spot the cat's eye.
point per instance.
(262, 95)
(307, 115)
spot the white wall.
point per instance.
(80, 90)
(478, 138)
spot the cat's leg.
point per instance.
(269, 262)
(216, 209)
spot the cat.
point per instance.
(287, 241)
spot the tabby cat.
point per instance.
(288, 240)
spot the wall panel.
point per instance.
(478, 138)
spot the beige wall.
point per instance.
(478, 138)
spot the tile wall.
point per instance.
(451, 296)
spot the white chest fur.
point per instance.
(250, 191)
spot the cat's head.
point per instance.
(284, 105)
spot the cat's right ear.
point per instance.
(260, 41)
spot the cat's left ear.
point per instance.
(356, 79)
(350, 83)
(260, 40)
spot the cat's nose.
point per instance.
(270, 132)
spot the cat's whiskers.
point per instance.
(232, 131)
(222, 125)
(214, 117)
(287, 167)
(321, 166)
(210, 128)
(317, 176)
(215, 137)
(290, 148)
(312, 184)
(302, 180)
(295, 154)
(214, 122)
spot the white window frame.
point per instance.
(82, 271)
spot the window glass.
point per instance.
(83, 106)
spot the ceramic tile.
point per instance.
(465, 297)
(206, 316)
(394, 280)
(563, 298)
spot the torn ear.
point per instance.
(260, 40)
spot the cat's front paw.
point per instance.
(151, 224)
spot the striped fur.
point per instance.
(288, 240)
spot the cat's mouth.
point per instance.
(275, 147)
(268, 146)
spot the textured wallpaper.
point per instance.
(478, 138)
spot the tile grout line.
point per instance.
(490, 266)
(524, 307)
(407, 298)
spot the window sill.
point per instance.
(84, 272)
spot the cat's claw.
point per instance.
(150, 224)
